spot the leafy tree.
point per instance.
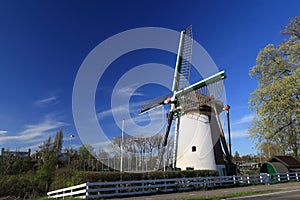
(46, 165)
(49, 152)
(276, 101)
(85, 152)
(236, 156)
(58, 141)
(270, 150)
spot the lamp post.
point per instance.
(70, 149)
(71, 138)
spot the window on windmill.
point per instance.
(193, 148)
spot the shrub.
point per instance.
(67, 177)
(21, 186)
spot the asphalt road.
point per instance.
(288, 191)
(290, 195)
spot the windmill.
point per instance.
(198, 132)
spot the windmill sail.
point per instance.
(182, 70)
(154, 103)
(202, 92)
(202, 84)
(184, 60)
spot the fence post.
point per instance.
(143, 188)
(248, 179)
(297, 176)
(265, 178)
(278, 175)
(165, 185)
(261, 178)
(288, 176)
(234, 181)
(86, 190)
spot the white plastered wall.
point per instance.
(194, 130)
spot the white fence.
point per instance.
(142, 187)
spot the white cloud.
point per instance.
(118, 110)
(2, 132)
(33, 132)
(156, 115)
(109, 112)
(129, 90)
(139, 122)
(240, 133)
(245, 119)
(46, 101)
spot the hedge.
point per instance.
(29, 186)
(67, 178)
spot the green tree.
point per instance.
(236, 157)
(46, 165)
(86, 151)
(276, 101)
(49, 152)
(58, 141)
(270, 150)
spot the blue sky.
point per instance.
(43, 44)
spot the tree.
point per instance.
(46, 165)
(116, 146)
(49, 152)
(86, 151)
(155, 142)
(276, 101)
(270, 150)
(236, 157)
(58, 140)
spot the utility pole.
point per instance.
(121, 147)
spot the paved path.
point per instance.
(281, 195)
(283, 187)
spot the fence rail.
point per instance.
(142, 187)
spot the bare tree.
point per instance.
(154, 143)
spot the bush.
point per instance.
(30, 186)
(21, 186)
(67, 177)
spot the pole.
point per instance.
(136, 158)
(70, 148)
(121, 147)
(228, 123)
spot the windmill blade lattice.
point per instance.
(202, 96)
(182, 73)
(154, 103)
(186, 59)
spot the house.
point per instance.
(280, 164)
(15, 154)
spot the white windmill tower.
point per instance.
(195, 109)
